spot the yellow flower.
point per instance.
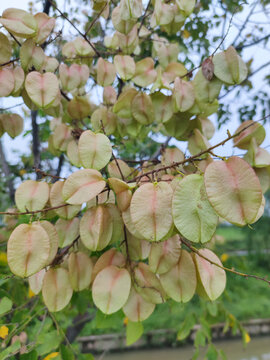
(125, 321)
(224, 257)
(51, 356)
(246, 338)
(3, 258)
(22, 172)
(3, 332)
(185, 34)
(31, 293)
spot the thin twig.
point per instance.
(75, 27)
(32, 212)
(196, 251)
(95, 19)
(192, 158)
(9, 62)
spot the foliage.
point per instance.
(126, 230)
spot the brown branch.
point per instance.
(193, 158)
(144, 16)
(32, 212)
(95, 19)
(9, 62)
(44, 174)
(196, 251)
(253, 43)
(59, 257)
(75, 27)
(65, 95)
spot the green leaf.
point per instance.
(5, 305)
(212, 308)
(66, 353)
(186, 327)
(199, 339)
(48, 342)
(32, 355)
(212, 353)
(134, 332)
(10, 350)
(85, 357)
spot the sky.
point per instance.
(23, 142)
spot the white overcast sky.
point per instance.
(21, 143)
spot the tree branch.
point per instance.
(36, 141)
(196, 251)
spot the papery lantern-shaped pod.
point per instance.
(163, 14)
(67, 230)
(165, 51)
(105, 120)
(96, 228)
(178, 125)
(206, 91)
(229, 67)
(95, 150)
(233, 190)
(186, 6)
(73, 153)
(32, 195)
(50, 64)
(56, 199)
(122, 191)
(118, 224)
(150, 210)
(211, 278)
(12, 124)
(106, 72)
(18, 80)
(106, 197)
(145, 74)
(264, 177)
(6, 49)
(122, 106)
(207, 127)
(53, 237)
(142, 109)
(123, 26)
(36, 281)
(174, 70)
(193, 215)
(248, 130)
(56, 289)
(163, 107)
(138, 248)
(164, 255)
(130, 224)
(73, 77)
(19, 23)
(28, 249)
(43, 89)
(31, 56)
(125, 66)
(111, 289)
(180, 281)
(109, 95)
(61, 137)
(114, 172)
(110, 257)
(7, 82)
(171, 156)
(257, 156)
(148, 285)
(130, 9)
(82, 186)
(137, 308)
(129, 42)
(197, 143)
(80, 269)
(183, 95)
(45, 27)
(79, 108)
